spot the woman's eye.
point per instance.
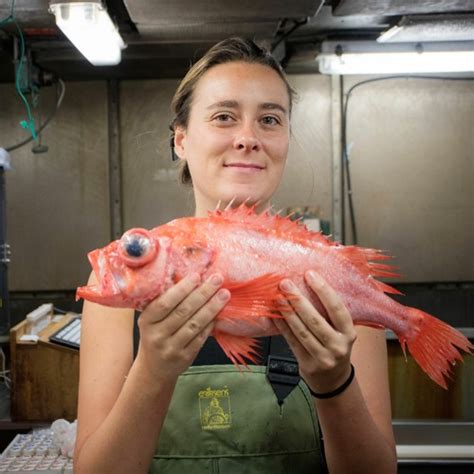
(270, 120)
(223, 118)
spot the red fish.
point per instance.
(255, 252)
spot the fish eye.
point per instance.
(137, 246)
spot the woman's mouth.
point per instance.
(245, 166)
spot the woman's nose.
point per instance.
(246, 140)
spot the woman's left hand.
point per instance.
(322, 348)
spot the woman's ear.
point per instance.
(180, 142)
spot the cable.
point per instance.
(60, 97)
(30, 122)
(9, 17)
(4, 372)
(295, 26)
(345, 153)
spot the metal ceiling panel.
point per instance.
(30, 13)
(401, 7)
(325, 23)
(190, 33)
(177, 12)
(431, 28)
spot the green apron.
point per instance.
(225, 421)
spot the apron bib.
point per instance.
(225, 421)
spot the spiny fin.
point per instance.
(254, 299)
(435, 346)
(238, 348)
(366, 262)
(364, 259)
(271, 223)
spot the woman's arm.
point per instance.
(356, 424)
(123, 403)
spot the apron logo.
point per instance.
(214, 408)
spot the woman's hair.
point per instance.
(226, 51)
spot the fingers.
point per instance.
(204, 317)
(307, 321)
(175, 326)
(332, 302)
(160, 308)
(199, 340)
(193, 302)
(295, 345)
(326, 344)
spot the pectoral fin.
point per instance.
(254, 299)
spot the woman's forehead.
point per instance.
(238, 83)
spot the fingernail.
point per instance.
(195, 278)
(217, 279)
(286, 285)
(223, 294)
(312, 275)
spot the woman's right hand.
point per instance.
(174, 326)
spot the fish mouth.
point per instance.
(106, 291)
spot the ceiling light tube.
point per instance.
(90, 29)
(374, 58)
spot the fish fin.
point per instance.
(366, 260)
(271, 223)
(254, 299)
(435, 346)
(238, 348)
(386, 288)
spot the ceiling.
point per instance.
(163, 37)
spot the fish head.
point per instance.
(131, 271)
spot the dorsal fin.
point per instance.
(364, 259)
(271, 223)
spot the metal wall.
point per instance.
(150, 193)
(411, 158)
(57, 202)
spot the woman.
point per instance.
(231, 131)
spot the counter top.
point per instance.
(434, 440)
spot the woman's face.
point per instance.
(236, 141)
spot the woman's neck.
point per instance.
(202, 208)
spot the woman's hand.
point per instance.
(322, 348)
(174, 326)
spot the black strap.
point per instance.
(282, 368)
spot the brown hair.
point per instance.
(228, 50)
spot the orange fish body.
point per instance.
(255, 252)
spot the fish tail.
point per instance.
(238, 348)
(435, 346)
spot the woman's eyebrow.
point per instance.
(233, 104)
(273, 106)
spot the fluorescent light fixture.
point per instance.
(370, 57)
(89, 28)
